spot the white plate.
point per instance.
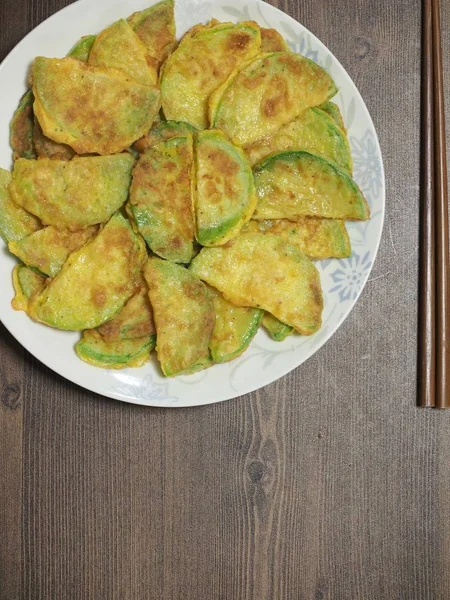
(342, 281)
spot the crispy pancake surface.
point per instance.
(270, 91)
(75, 194)
(206, 56)
(92, 109)
(95, 282)
(263, 271)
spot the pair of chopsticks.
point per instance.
(434, 298)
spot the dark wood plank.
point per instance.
(329, 484)
(12, 377)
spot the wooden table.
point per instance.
(328, 484)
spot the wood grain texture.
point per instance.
(328, 484)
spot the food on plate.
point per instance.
(272, 41)
(47, 148)
(318, 238)
(119, 47)
(27, 283)
(93, 349)
(75, 194)
(277, 330)
(204, 59)
(135, 320)
(82, 48)
(333, 110)
(161, 132)
(313, 131)
(48, 249)
(155, 26)
(15, 222)
(21, 128)
(95, 282)
(92, 109)
(161, 199)
(225, 197)
(297, 184)
(263, 271)
(270, 91)
(234, 329)
(184, 229)
(184, 317)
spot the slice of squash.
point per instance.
(155, 26)
(95, 110)
(15, 222)
(296, 184)
(313, 131)
(318, 238)
(263, 271)
(161, 132)
(270, 91)
(124, 354)
(95, 282)
(225, 198)
(49, 248)
(234, 329)
(161, 199)
(27, 283)
(204, 59)
(333, 110)
(272, 41)
(21, 128)
(184, 317)
(277, 330)
(135, 320)
(72, 194)
(82, 48)
(119, 47)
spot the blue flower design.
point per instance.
(303, 47)
(145, 390)
(367, 164)
(350, 276)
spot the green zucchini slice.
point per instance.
(162, 132)
(21, 128)
(184, 317)
(119, 47)
(313, 131)
(206, 56)
(15, 222)
(277, 330)
(267, 93)
(155, 26)
(95, 282)
(82, 48)
(93, 349)
(49, 248)
(161, 199)
(263, 271)
(135, 320)
(318, 238)
(27, 283)
(72, 194)
(296, 184)
(225, 198)
(234, 330)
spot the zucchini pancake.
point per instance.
(171, 197)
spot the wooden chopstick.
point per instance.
(434, 299)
